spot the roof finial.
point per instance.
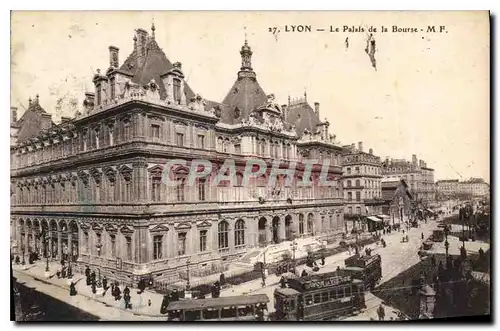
(37, 97)
(29, 101)
(153, 28)
(305, 94)
(246, 39)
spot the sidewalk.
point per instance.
(139, 302)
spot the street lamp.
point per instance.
(446, 246)
(24, 261)
(99, 254)
(188, 285)
(293, 245)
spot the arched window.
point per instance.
(288, 151)
(310, 223)
(227, 145)
(301, 224)
(349, 184)
(357, 183)
(223, 228)
(220, 143)
(239, 233)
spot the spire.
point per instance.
(153, 29)
(29, 102)
(37, 98)
(246, 55)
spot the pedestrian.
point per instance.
(94, 287)
(72, 289)
(422, 236)
(92, 277)
(87, 275)
(322, 259)
(104, 283)
(117, 293)
(381, 313)
(283, 282)
(141, 285)
(164, 305)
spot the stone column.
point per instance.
(269, 232)
(70, 246)
(281, 229)
(230, 236)
(26, 244)
(59, 245)
(141, 247)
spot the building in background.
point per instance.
(474, 187)
(416, 174)
(398, 200)
(362, 175)
(93, 183)
(447, 189)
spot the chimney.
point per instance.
(13, 112)
(113, 57)
(316, 108)
(370, 151)
(414, 159)
(353, 147)
(140, 45)
(360, 146)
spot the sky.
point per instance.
(428, 96)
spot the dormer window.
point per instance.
(177, 90)
(112, 83)
(98, 101)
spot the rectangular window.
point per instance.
(155, 131)
(237, 149)
(349, 196)
(349, 210)
(201, 141)
(126, 132)
(358, 210)
(177, 90)
(358, 196)
(128, 242)
(324, 297)
(317, 298)
(99, 244)
(157, 247)
(155, 189)
(180, 139)
(203, 240)
(112, 238)
(181, 243)
(180, 191)
(201, 190)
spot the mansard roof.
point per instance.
(155, 64)
(34, 120)
(303, 117)
(246, 95)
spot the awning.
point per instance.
(374, 219)
(384, 217)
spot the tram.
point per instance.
(367, 268)
(319, 297)
(233, 308)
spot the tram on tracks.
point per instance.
(367, 268)
(319, 297)
(233, 308)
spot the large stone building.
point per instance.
(94, 182)
(448, 188)
(362, 174)
(416, 174)
(453, 188)
(474, 187)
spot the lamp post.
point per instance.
(99, 254)
(293, 245)
(23, 261)
(188, 285)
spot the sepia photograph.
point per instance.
(200, 166)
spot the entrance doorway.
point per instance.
(262, 231)
(276, 222)
(288, 228)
